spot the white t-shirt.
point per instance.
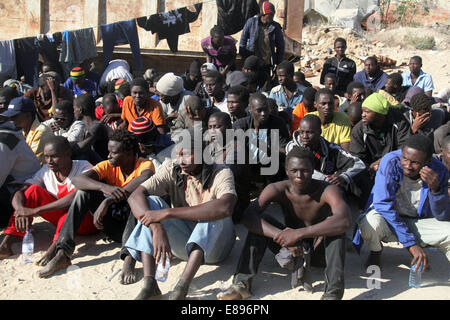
(46, 178)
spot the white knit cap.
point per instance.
(170, 84)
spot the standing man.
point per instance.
(372, 76)
(417, 78)
(310, 209)
(263, 37)
(343, 67)
(220, 50)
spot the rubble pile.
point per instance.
(317, 46)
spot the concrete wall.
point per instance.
(23, 18)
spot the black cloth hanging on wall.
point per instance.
(232, 14)
(171, 24)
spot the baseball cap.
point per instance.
(18, 105)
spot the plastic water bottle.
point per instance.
(28, 247)
(162, 273)
(415, 277)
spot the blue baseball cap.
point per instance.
(18, 105)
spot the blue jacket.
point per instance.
(249, 39)
(387, 182)
(377, 82)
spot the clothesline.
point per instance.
(99, 26)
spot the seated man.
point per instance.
(417, 78)
(194, 113)
(355, 93)
(140, 104)
(422, 118)
(18, 164)
(49, 93)
(48, 194)
(444, 155)
(63, 122)
(6, 95)
(109, 112)
(299, 77)
(172, 96)
(94, 146)
(22, 112)
(193, 76)
(304, 107)
(381, 130)
(214, 86)
(288, 93)
(80, 84)
(237, 102)
(153, 145)
(261, 151)
(409, 204)
(335, 125)
(440, 134)
(393, 90)
(332, 163)
(330, 82)
(372, 76)
(354, 113)
(122, 174)
(198, 228)
(309, 209)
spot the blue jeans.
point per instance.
(215, 238)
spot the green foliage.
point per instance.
(422, 43)
(405, 10)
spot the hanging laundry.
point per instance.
(77, 46)
(27, 55)
(118, 33)
(171, 24)
(232, 14)
(7, 60)
(48, 50)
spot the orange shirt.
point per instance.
(114, 176)
(298, 114)
(153, 110)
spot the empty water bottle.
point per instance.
(415, 277)
(28, 247)
(162, 272)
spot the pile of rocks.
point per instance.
(318, 42)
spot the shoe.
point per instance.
(235, 292)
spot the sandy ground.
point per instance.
(94, 260)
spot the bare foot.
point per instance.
(128, 275)
(49, 255)
(60, 261)
(150, 291)
(5, 246)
